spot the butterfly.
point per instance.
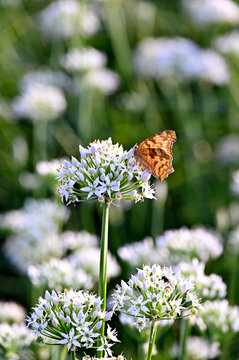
(155, 154)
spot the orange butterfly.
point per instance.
(155, 153)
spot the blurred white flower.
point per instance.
(181, 59)
(205, 12)
(88, 259)
(59, 274)
(64, 18)
(75, 240)
(39, 102)
(207, 286)
(49, 167)
(83, 59)
(235, 182)
(186, 243)
(198, 348)
(220, 318)
(227, 44)
(11, 312)
(15, 341)
(233, 241)
(102, 80)
(227, 149)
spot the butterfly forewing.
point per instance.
(155, 153)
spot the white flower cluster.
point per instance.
(207, 286)
(187, 244)
(11, 312)
(199, 348)
(76, 240)
(40, 102)
(105, 172)
(173, 247)
(228, 44)
(205, 12)
(15, 341)
(83, 59)
(181, 59)
(64, 18)
(220, 318)
(35, 229)
(120, 357)
(227, 149)
(51, 167)
(102, 80)
(59, 274)
(73, 318)
(155, 293)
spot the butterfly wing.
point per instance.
(155, 153)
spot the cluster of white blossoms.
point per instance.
(35, 232)
(104, 172)
(233, 241)
(65, 18)
(83, 59)
(120, 357)
(11, 312)
(207, 286)
(228, 44)
(205, 12)
(72, 318)
(59, 274)
(39, 103)
(198, 348)
(173, 247)
(103, 80)
(45, 168)
(15, 341)
(76, 240)
(155, 293)
(219, 318)
(227, 150)
(181, 59)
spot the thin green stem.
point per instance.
(64, 353)
(102, 290)
(184, 331)
(73, 355)
(153, 333)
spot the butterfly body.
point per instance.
(155, 154)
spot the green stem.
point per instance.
(73, 355)
(102, 290)
(153, 333)
(184, 331)
(64, 353)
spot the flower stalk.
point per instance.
(102, 289)
(152, 338)
(184, 331)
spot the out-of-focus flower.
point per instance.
(207, 286)
(220, 318)
(233, 241)
(227, 44)
(102, 80)
(59, 274)
(105, 172)
(235, 182)
(198, 348)
(227, 149)
(153, 294)
(120, 357)
(88, 259)
(11, 312)
(186, 244)
(64, 18)
(36, 218)
(180, 59)
(45, 76)
(173, 247)
(75, 240)
(72, 318)
(15, 342)
(40, 102)
(35, 229)
(83, 59)
(205, 12)
(49, 167)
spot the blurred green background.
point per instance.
(162, 86)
